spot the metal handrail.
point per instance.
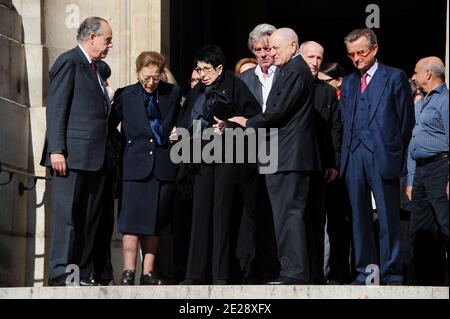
(22, 188)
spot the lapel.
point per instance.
(166, 108)
(86, 67)
(354, 86)
(257, 88)
(378, 83)
(138, 109)
(275, 76)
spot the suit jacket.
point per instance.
(141, 156)
(77, 113)
(391, 118)
(254, 85)
(290, 108)
(328, 124)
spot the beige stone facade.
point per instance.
(32, 35)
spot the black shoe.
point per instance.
(88, 283)
(189, 282)
(252, 281)
(219, 282)
(58, 281)
(286, 281)
(127, 278)
(150, 279)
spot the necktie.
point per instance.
(154, 118)
(363, 82)
(94, 68)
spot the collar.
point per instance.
(372, 69)
(85, 53)
(439, 89)
(259, 73)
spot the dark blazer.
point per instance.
(290, 108)
(328, 124)
(254, 85)
(141, 156)
(77, 113)
(391, 118)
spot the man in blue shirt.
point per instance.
(427, 184)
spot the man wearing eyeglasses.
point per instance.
(76, 151)
(378, 117)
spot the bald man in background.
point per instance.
(289, 108)
(427, 183)
(329, 135)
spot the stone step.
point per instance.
(228, 292)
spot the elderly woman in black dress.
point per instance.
(147, 111)
(219, 96)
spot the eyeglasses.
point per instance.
(206, 70)
(361, 53)
(146, 80)
(328, 80)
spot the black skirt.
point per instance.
(146, 207)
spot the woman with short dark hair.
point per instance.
(218, 96)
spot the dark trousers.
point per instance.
(429, 222)
(288, 194)
(316, 227)
(210, 242)
(362, 177)
(103, 269)
(77, 200)
(339, 229)
(257, 248)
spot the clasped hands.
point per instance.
(220, 125)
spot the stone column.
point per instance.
(31, 14)
(16, 227)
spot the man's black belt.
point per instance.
(434, 158)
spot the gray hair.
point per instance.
(438, 70)
(356, 34)
(88, 26)
(259, 32)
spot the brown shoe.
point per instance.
(127, 278)
(151, 279)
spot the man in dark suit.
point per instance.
(329, 135)
(257, 246)
(290, 109)
(378, 117)
(76, 151)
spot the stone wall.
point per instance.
(33, 33)
(16, 220)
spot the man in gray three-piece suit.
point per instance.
(76, 151)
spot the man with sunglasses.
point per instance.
(378, 117)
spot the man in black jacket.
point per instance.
(76, 151)
(290, 110)
(329, 134)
